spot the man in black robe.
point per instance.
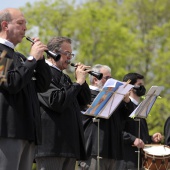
(110, 130)
(20, 127)
(131, 139)
(62, 130)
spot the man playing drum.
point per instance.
(131, 128)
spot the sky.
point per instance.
(14, 3)
(19, 3)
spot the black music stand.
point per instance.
(143, 109)
(106, 103)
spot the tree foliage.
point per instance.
(129, 36)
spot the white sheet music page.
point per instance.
(108, 99)
(145, 106)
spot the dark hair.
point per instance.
(133, 77)
(5, 16)
(55, 43)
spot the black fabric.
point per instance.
(19, 105)
(167, 132)
(61, 117)
(110, 132)
(130, 133)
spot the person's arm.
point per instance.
(84, 96)
(19, 73)
(167, 140)
(43, 76)
(132, 140)
(60, 94)
(127, 108)
(22, 69)
(128, 138)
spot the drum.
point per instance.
(156, 157)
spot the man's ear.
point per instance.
(4, 25)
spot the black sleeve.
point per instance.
(22, 72)
(19, 74)
(84, 96)
(128, 138)
(43, 76)
(167, 132)
(61, 95)
(126, 109)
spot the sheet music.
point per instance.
(145, 106)
(108, 99)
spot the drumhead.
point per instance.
(157, 150)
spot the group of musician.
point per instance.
(41, 108)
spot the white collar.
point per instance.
(7, 43)
(133, 100)
(94, 88)
(52, 65)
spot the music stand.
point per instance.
(143, 109)
(108, 99)
(106, 103)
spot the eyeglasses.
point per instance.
(67, 53)
(107, 77)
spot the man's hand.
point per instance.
(139, 143)
(157, 137)
(126, 97)
(37, 49)
(81, 73)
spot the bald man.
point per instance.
(20, 128)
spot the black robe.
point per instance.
(19, 105)
(62, 130)
(131, 132)
(167, 132)
(110, 132)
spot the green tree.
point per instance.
(129, 36)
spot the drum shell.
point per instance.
(154, 162)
